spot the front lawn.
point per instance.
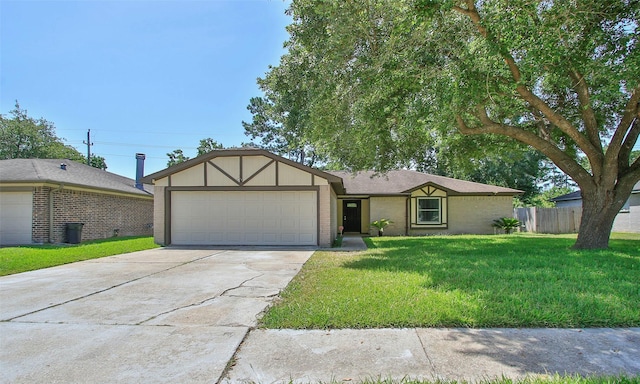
(466, 281)
(31, 257)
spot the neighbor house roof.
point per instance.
(577, 196)
(405, 181)
(29, 171)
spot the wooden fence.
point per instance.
(549, 220)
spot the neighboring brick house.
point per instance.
(38, 197)
(253, 197)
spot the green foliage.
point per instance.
(23, 137)
(32, 257)
(207, 145)
(279, 118)
(520, 280)
(543, 200)
(176, 157)
(98, 162)
(381, 224)
(507, 224)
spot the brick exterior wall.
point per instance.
(327, 232)
(101, 214)
(475, 214)
(158, 213)
(392, 208)
(467, 215)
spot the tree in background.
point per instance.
(23, 137)
(383, 81)
(280, 118)
(98, 162)
(176, 157)
(206, 145)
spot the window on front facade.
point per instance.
(428, 210)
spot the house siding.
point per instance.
(625, 221)
(101, 214)
(475, 214)
(40, 220)
(629, 220)
(334, 215)
(159, 215)
(471, 215)
(326, 231)
(392, 208)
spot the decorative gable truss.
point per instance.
(428, 207)
(242, 172)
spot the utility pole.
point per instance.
(89, 144)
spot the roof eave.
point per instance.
(149, 179)
(453, 192)
(62, 184)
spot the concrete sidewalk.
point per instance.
(281, 356)
(353, 243)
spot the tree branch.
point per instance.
(627, 147)
(594, 153)
(565, 162)
(623, 132)
(588, 115)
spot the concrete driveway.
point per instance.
(162, 315)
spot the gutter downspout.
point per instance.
(51, 211)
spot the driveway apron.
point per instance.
(162, 315)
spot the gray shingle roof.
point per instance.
(405, 181)
(76, 174)
(577, 195)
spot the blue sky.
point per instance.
(144, 76)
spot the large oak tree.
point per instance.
(386, 80)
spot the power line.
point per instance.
(121, 155)
(121, 131)
(130, 145)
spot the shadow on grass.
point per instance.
(537, 281)
(88, 242)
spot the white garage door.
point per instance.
(244, 218)
(15, 218)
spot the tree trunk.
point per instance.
(599, 210)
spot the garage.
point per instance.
(15, 217)
(244, 218)
(244, 197)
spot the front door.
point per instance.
(352, 218)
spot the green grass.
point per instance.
(466, 281)
(546, 379)
(32, 257)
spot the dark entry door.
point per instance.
(352, 219)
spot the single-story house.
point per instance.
(253, 197)
(628, 219)
(38, 197)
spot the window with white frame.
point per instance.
(429, 210)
